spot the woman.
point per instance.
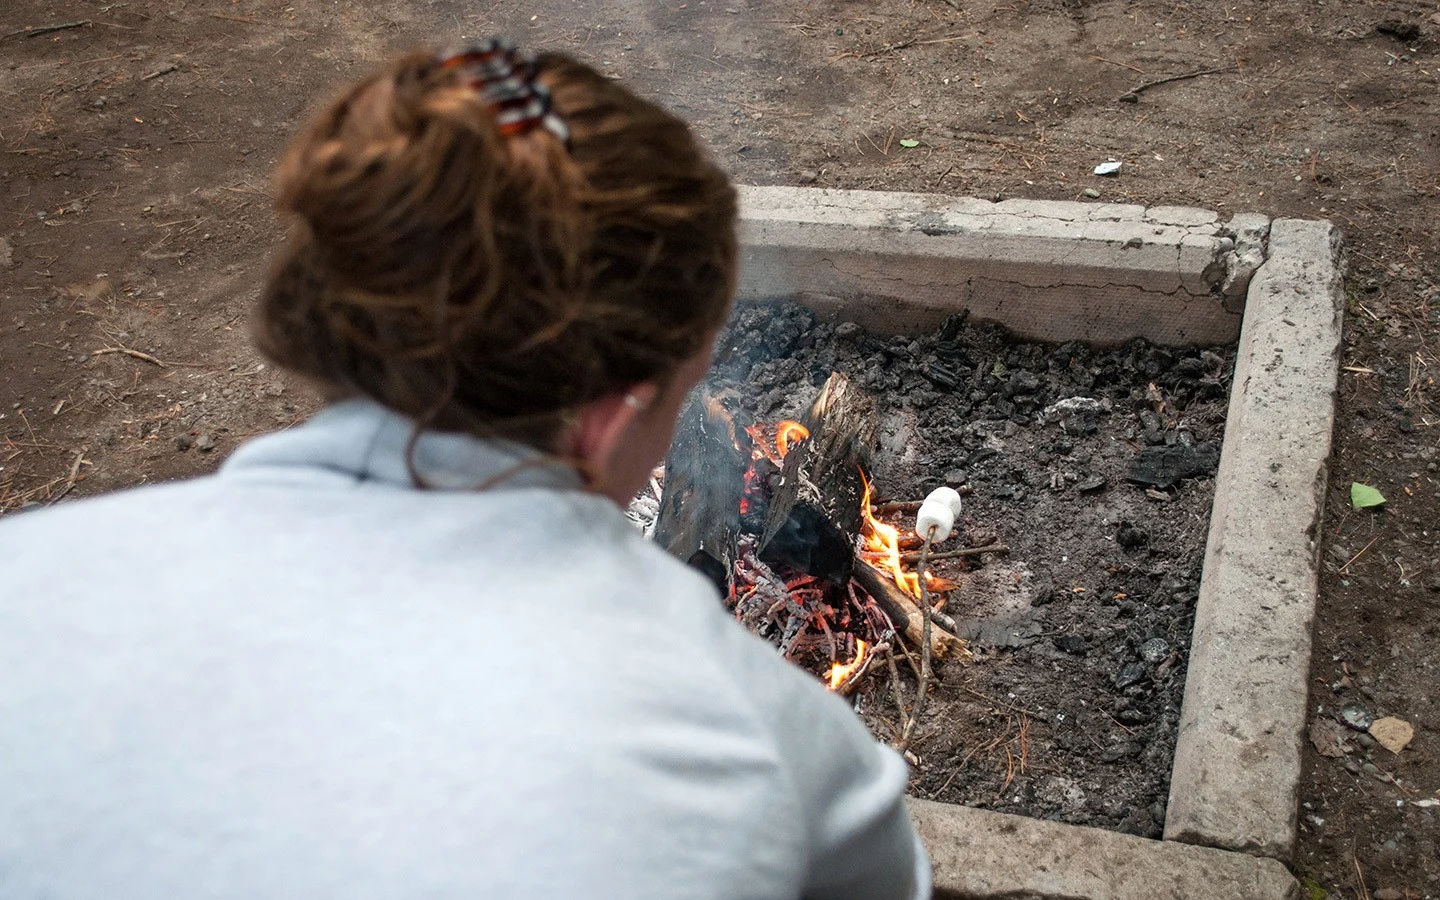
(412, 648)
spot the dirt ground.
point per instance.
(135, 151)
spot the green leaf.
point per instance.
(1363, 496)
(907, 142)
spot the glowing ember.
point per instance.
(839, 672)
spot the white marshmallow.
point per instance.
(948, 496)
(937, 514)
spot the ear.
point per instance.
(601, 425)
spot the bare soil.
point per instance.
(134, 216)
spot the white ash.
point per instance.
(645, 508)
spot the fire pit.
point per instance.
(1092, 458)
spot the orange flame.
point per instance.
(786, 433)
(882, 546)
(841, 671)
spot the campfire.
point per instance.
(781, 517)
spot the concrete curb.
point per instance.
(982, 855)
(1097, 272)
(1237, 759)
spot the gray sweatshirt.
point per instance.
(304, 678)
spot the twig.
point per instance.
(890, 49)
(1002, 704)
(1122, 65)
(163, 70)
(895, 685)
(846, 687)
(944, 621)
(37, 30)
(128, 352)
(1343, 568)
(956, 554)
(1135, 91)
(925, 610)
(70, 480)
(1360, 876)
(895, 506)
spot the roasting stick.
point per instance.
(934, 520)
(924, 643)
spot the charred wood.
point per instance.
(815, 511)
(699, 520)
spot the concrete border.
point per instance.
(1105, 273)
(1102, 273)
(983, 855)
(1236, 775)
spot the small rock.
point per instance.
(1122, 750)
(1154, 650)
(1388, 894)
(955, 477)
(1108, 168)
(1357, 717)
(184, 442)
(1365, 740)
(1072, 643)
(205, 443)
(1134, 673)
(809, 176)
(1092, 193)
(1370, 768)
(1091, 484)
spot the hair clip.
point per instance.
(505, 79)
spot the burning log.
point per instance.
(904, 612)
(699, 520)
(781, 521)
(815, 511)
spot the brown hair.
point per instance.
(482, 283)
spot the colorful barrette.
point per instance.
(505, 79)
